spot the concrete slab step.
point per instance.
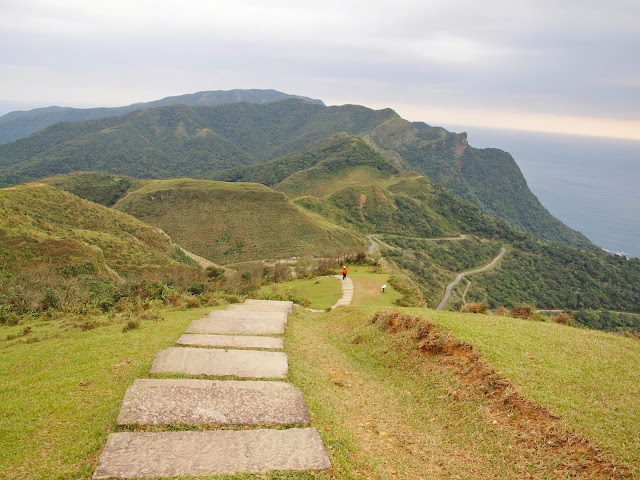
(172, 454)
(231, 341)
(238, 324)
(220, 363)
(256, 307)
(247, 314)
(207, 402)
(282, 303)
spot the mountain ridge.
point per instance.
(200, 142)
(20, 124)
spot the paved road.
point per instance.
(373, 244)
(447, 291)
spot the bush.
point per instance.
(589, 318)
(131, 325)
(564, 319)
(50, 300)
(216, 273)
(12, 319)
(196, 288)
(479, 307)
(191, 302)
(525, 312)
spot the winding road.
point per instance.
(447, 290)
(373, 244)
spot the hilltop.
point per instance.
(349, 183)
(207, 142)
(235, 222)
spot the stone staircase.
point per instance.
(269, 417)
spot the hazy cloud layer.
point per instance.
(546, 59)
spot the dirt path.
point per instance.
(447, 291)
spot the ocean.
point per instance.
(591, 184)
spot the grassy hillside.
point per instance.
(232, 222)
(57, 247)
(476, 397)
(351, 184)
(405, 395)
(199, 142)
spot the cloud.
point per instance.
(573, 58)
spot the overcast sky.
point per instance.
(565, 66)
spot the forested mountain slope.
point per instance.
(20, 124)
(201, 142)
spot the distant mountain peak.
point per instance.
(21, 124)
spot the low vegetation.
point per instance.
(400, 393)
(235, 222)
(97, 187)
(412, 393)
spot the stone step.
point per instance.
(240, 323)
(230, 341)
(254, 307)
(172, 454)
(207, 402)
(221, 363)
(281, 303)
(247, 314)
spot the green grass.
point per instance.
(589, 377)
(385, 411)
(60, 396)
(321, 293)
(367, 287)
(236, 222)
(41, 224)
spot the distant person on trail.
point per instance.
(344, 272)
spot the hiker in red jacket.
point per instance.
(344, 272)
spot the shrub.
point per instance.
(479, 307)
(131, 325)
(149, 315)
(50, 300)
(192, 302)
(12, 319)
(196, 288)
(105, 304)
(411, 296)
(589, 318)
(525, 312)
(564, 319)
(216, 273)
